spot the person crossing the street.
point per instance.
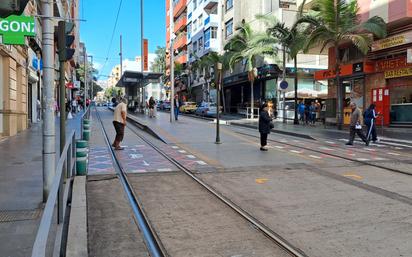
(152, 104)
(355, 125)
(119, 123)
(370, 116)
(265, 125)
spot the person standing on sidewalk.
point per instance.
(152, 104)
(355, 125)
(370, 116)
(177, 106)
(119, 123)
(265, 125)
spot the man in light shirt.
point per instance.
(119, 123)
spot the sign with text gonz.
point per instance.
(14, 29)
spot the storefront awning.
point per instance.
(138, 79)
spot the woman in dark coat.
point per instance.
(265, 125)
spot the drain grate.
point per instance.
(10, 216)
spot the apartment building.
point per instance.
(237, 88)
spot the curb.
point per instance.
(77, 232)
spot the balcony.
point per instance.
(180, 41)
(179, 8)
(209, 5)
(180, 23)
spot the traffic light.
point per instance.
(12, 7)
(65, 40)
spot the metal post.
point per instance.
(62, 106)
(284, 78)
(142, 53)
(296, 120)
(121, 57)
(49, 136)
(172, 72)
(219, 75)
(85, 79)
(91, 89)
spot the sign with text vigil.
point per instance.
(14, 29)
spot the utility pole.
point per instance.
(284, 78)
(85, 79)
(91, 89)
(142, 53)
(49, 134)
(172, 72)
(218, 83)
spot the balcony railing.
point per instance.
(209, 5)
(179, 7)
(180, 23)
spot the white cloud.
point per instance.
(97, 65)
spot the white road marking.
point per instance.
(145, 163)
(280, 147)
(352, 154)
(398, 148)
(396, 154)
(175, 147)
(330, 142)
(135, 156)
(295, 151)
(379, 159)
(362, 159)
(201, 162)
(314, 156)
(182, 151)
(137, 171)
(164, 169)
(191, 156)
(369, 149)
(326, 148)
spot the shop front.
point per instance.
(394, 96)
(353, 83)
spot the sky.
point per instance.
(97, 30)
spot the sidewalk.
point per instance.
(21, 187)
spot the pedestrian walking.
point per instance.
(312, 113)
(119, 123)
(369, 117)
(152, 104)
(265, 125)
(74, 105)
(176, 107)
(355, 125)
(307, 114)
(301, 109)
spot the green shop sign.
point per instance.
(15, 28)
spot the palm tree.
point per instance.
(292, 40)
(246, 45)
(336, 22)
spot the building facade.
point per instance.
(384, 75)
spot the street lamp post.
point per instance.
(91, 89)
(219, 79)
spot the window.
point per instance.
(207, 38)
(213, 32)
(189, 30)
(194, 4)
(195, 48)
(200, 43)
(229, 28)
(194, 25)
(200, 20)
(229, 4)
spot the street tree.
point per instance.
(246, 46)
(335, 22)
(292, 40)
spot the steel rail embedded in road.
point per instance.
(279, 240)
(152, 241)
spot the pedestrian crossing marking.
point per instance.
(182, 151)
(295, 151)
(175, 147)
(261, 180)
(369, 149)
(191, 156)
(362, 159)
(330, 142)
(379, 159)
(164, 169)
(396, 154)
(314, 156)
(326, 148)
(138, 171)
(353, 176)
(279, 147)
(201, 162)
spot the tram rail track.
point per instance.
(283, 243)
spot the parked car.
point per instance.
(211, 112)
(188, 107)
(207, 109)
(165, 106)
